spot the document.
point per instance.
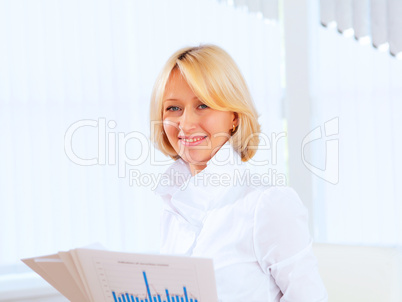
(97, 275)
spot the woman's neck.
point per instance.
(195, 169)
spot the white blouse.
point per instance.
(257, 236)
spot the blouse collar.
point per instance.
(192, 196)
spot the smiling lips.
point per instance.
(193, 141)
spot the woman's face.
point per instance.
(195, 131)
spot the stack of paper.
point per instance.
(97, 275)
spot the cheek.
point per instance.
(218, 123)
(170, 129)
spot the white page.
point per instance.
(60, 271)
(72, 269)
(110, 275)
(34, 266)
(53, 270)
(64, 282)
(82, 275)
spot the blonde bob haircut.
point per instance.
(216, 80)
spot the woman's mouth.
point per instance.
(192, 141)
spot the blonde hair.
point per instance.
(216, 80)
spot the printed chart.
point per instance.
(142, 280)
(166, 297)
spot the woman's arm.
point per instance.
(282, 244)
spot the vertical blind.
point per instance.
(356, 105)
(75, 79)
(379, 20)
(268, 8)
(362, 88)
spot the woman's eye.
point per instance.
(172, 108)
(203, 106)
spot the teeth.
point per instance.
(191, 140)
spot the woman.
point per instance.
(204, 118)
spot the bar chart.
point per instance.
(158, 297)
(128, 281)
(126, 277)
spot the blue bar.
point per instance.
(167, 295)
(146, 283)
(125, 297)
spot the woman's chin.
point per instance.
(196, 157)
(196, 161)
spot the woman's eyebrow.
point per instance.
(173, 99)
(169, 102)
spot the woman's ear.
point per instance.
(235, 119)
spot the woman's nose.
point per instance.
(187, 121)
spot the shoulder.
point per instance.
(280, 224)
(274, 200)
(283, 200)
(276, 209)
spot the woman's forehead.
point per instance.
(175, 77)
(177, 88)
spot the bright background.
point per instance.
(62, 62)
(95, 62)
